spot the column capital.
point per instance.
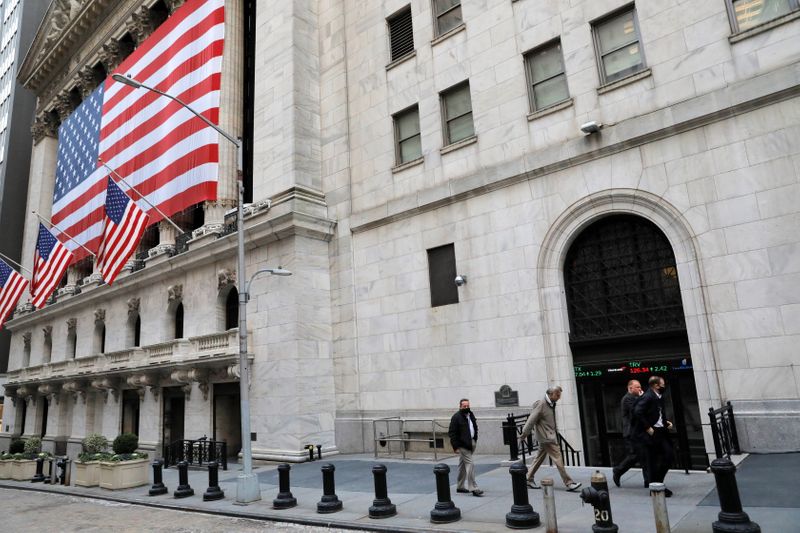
(44, 125)
(64, 105)
(141, 24)
(111, 55)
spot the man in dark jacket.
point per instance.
(463, 435)
(633, 452)
(652, 430)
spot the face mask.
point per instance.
(662, 389)
(465, 410)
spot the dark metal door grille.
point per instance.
(401, 34)
(622, 281)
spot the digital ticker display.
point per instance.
(633, 368)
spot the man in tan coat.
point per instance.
(542, 421)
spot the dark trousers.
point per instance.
(658, 449)
(633, 455)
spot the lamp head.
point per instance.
(591, 127)
(127, 80)
(280, 272)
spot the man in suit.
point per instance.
(633, 452)
(652, 430)
(542, 421)
(463, 433)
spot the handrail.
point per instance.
(512, 431)
(196, 452)
(723, 429)
(389, 437)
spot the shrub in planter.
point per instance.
(125, 444)
(16, 446)
(125, 468)
(95, 443)
(32, 446)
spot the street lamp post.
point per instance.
(247, 486)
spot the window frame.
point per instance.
(394, 16)
(794, 6)
(398, 141)
(438, 299)
(595, 24)
(446, 121)
(527, 58)
(437, 32)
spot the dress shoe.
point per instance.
(667, 493)
(477, 492)
(465, 491)
(572, 487)
(532, 484)
(616, 479)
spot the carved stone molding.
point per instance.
(175, 293)
(225, 277)
(233, 371)
(64, 106)
(173, 5)
(142, 381)
(111, 55)
(141, 24)
(26, 340)
(106, 385)
(186, 376)
(76, 389)
(44, 125)
(87, 81)
(72, 324)
(99, 316)
(133, 306)
(47, 331)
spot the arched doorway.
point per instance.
(626, 322)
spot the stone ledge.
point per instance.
(549, 110)
(624, 81)
(761, 28)
(446, 35)
(400, 60)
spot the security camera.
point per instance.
(591, 127)
(461, 280)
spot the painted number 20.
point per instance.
(600, 515)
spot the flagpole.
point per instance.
(141, 196)
(4, 256)
(64, 232)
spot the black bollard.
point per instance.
(39, 476)
(51, 477)
(62, 465)
(330, 502)
(213, 492)
(184, 490)
(310, 449)
(382, 506)
(319, 451)
(158, 487)
(445, 510)
(522, 515)
(732, 519)
(285, 500)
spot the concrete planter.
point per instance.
(87, 474)
(5, 469)
(23, 469)
(123, 474)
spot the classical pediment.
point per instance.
(65, 27)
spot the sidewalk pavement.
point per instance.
(764, 483)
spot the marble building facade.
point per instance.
(700, 138)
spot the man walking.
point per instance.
(652, 430)
(632, 449)
(463, 435)
(542, 420)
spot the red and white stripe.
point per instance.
(47, 274)
(162, 150)
(120, 241)
(10, 294)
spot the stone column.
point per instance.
(32, 417)
(197, 415)
(82, 420)
(150, 420)
(71, 288)
(230, 117)
(166, 239)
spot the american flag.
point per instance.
(125, 224)
(12, 285)
(161, 149)
(50, 261)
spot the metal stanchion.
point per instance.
(158, 487)
(213, 492)
(549, 498)
(330, 502)
(382, 506)
(660, 507)
(39, 476)
(285, 500)
(184, 489)
(732, 519)
(445, 510)
(522, 515)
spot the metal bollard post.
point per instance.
(310, 448)
(285, 500)
(549, 497)
(213, 492)
(64, 470)
(522, 515)
(445, 510)
(330, 502)
(382, 506)
(660, 507)
(184, 490)
(158, 487)
(597, 496)
(732, 519)
(51, 477)
(39, 476)
(319, 451)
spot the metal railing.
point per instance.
(196, 452)
(723, 429)
(512, 431)
(402, 435)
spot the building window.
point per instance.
(442, 275)
(99, 341)
(457, 113)
(401, 33)
(448, 15)
(47, 351)
(547, 82)
(619, 53)
(746, 14)
(72, 344)
(179, 321)
(136, 332)
(232, 309)
(408, 146)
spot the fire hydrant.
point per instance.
(597, 496)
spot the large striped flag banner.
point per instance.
(124, 227)
(50, 261)
(12, 285)
(160, 148)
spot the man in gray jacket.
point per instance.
(542, 421)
